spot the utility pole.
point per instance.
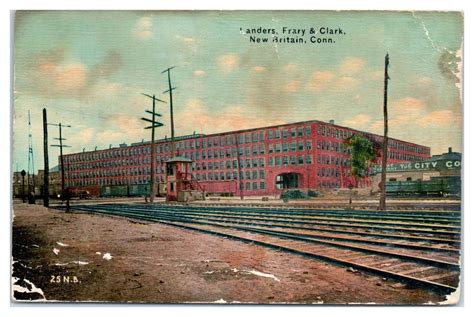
(23, 173)
(46, 160)
(61, 158)
(170, 90)
(239, 169)
(382, 205)
(154, 124)
(31, 160)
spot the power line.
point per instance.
(154, 124)
(31, 158)
(170, 91)
(61, 145)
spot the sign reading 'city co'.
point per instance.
(422, 166)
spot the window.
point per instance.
(262, 185)
(277, 161)
(300, 131)
(254, 150)
(247, 138)
(308, 145)
(270, 161)
(270, 134)
(278, 148)
(254, 185)
(301, 159)
(309, 159)
(285, 160)
(284, 133)
(293, 146)
(262, 162)
(277, 134)
(293, 132)
(254, 137)
(261, 136)
(254, 162)
(300, 145)
(270, 148)
(254, 174)
(308, 130)
(285, 147)
(247, 186)
(262, 174)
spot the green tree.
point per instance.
(363, 152)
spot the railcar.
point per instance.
(436, 186)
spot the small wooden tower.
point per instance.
(181, 186)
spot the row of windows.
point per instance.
(334, 132)
(113, 181)
(332, 172)
(335, 160)
(223, 176)
(324, 184)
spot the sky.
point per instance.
(89, 69)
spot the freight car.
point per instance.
(436, 186)
(118, 190)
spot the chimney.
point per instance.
(331, 121)
(450, 150)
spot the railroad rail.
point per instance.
(425, 255)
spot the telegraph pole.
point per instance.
(170, 90)
(239, 169)
(46, 160)
(382, 204)
(61, 158)
(31, 159)
(154, 124)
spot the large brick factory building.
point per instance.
(264, 161)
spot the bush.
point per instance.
(293, 194)
(312, 193)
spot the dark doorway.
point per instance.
(287, 180)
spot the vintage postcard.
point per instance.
(266, 157)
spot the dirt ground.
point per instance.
(81, 257)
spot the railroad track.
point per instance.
(394, 206)
(426, 255)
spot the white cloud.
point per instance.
(319, 80)
(143, 29)
(228, 62)
(258, 69)
(358, 121)
(292, 86)
(351, 66)
(199, 73)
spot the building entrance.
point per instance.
(287, 180)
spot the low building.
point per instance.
(442, 165)
(34, 183)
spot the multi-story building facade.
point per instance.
(260, 161)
